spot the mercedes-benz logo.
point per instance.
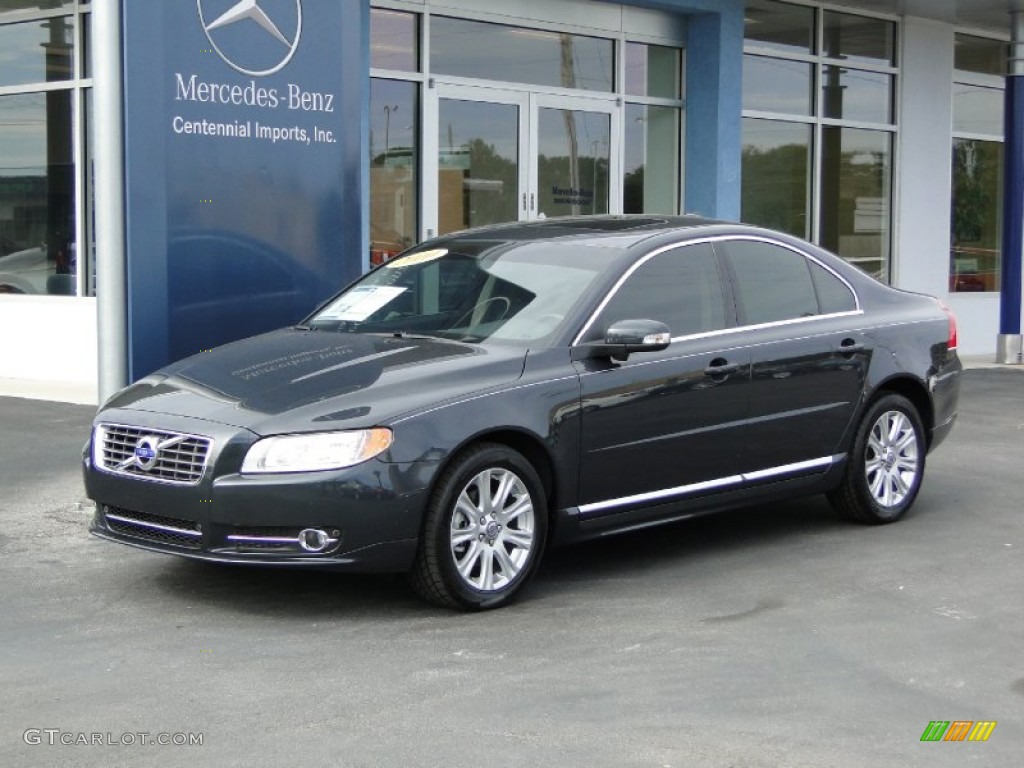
(147, 450)
(259, 40)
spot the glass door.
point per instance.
(574, 148)
(481, 146)
(504, 155)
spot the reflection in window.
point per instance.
(17, 7)
(651, 181)
(980, 55)
(573, 162)
(787, 174)
(653, 70)
(394, 167)
(777, 85)
(37, 51)
(856, 196)
(779, 26)
(976, 221)
(394, 40)
(855, 94)
(977, 109)
(776, 175)
(859, 38)
(515, 54)
(477, 164)
(37, 200)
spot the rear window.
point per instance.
(772, 283)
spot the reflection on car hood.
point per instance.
(296, 380)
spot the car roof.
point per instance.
(622, 231)
(636, 234)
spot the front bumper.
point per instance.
(386, 557)
(371, 513)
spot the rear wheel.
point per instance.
(485, 530)
(886, 463)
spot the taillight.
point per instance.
(952, 343)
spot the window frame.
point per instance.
(977, 80)
(725, 290)
(732, 311)
(80, 87)
(818, 123)
(620, 34)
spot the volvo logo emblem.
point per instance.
(248, 38)
(147, 450)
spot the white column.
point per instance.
(111, 266)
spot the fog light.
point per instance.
(314, 539)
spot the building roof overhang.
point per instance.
(982, 15)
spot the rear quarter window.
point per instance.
(833, 294)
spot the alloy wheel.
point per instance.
(891, 458)
(492, 531)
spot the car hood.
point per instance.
(297, 380)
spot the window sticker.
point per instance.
(416, 258)
(360, 303)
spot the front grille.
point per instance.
(156, 528)
(178, 458)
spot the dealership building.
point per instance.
(176, 175)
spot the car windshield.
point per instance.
(471, 291)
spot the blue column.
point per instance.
(1013, 202)
(1009, 342)
(714, 74)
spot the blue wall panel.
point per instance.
(244, 140)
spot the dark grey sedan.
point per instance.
(494, 392)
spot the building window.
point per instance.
(394, 40)
(777, 163)
(394, 133)
(505, 145)
(44, 150)
(977, 157)
(652, 135)
(819, 127)
(394, 167)
(477, 49)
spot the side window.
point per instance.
(772, 283)
(680, 288)
(833, 295)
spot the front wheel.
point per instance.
(485, 530)
(886, 464)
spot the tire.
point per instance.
(473, 556)
(886, 464)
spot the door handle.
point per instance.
(849, 346)
(720, 367)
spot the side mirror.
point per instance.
(626, 337)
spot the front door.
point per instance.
(503, 155)
(664, 426)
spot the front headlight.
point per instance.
(315, 452)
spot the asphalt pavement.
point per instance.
(772, 636)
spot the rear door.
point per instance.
(809, 357)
